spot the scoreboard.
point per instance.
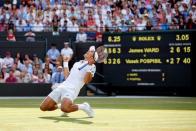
(159, 59)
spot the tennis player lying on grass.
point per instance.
(68, 91)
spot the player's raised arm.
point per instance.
(91, 58)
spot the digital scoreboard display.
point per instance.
(161, 59)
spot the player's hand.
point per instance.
(65, 58)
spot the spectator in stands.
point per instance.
(7, 4)
(91, 24)
(102, 10)
(185, 12)
(39, 13)
(4, 72)
(99, 37)
(40, 78)
(25, 77)
(53, 53)
(38, 67)
(30, 36)
(82, 21)
(2, 25)
(57, 77)
(30, 25)
(58, 63)
(193, 13)
(20, 25)
(123, 26)
(26, 67)
(88, 4)
(11, 78)
(38, 26)
(47, 65)
(8, 60)
(1, 78)
(101, 27)
(11, 26)
(148, 25)
(113, 27)
(63, 26)
(72, 25)
(16, 71)
(46, 75)
(36, 59)
(164, 25)
(27, 57)
(11, 36)
(173, 25)
(72, 13)
(67, 54)
(55, 25)
(19, 80)
(18, 59)
(190, 24)
(140, 25)
(1, 62)
(181, 23)
(81, 36)
(14, 2)
(34, 76)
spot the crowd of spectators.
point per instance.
(80, 16)
(96, 15)
(32, 69)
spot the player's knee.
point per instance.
(43, 108)
(65, 109)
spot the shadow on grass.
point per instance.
(68, 119)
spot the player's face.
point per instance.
(89, 57)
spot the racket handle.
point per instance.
(80, 68)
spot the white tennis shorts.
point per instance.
(59, 93)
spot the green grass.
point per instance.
(112, 114)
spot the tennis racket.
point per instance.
(102, 55)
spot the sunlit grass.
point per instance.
(112, 114)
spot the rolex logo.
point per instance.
(158, 38)
(134, 38)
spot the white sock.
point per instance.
(65, 64)
(81, 106)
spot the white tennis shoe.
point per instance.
(64, 114)
(88, 110)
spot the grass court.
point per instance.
(112, 114)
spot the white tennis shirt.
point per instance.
(75, 80)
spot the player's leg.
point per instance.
(48, 104)
(68, 106)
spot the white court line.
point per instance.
(94, 97)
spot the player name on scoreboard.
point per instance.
(169, 53)
(143, 61)
(144, 50)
